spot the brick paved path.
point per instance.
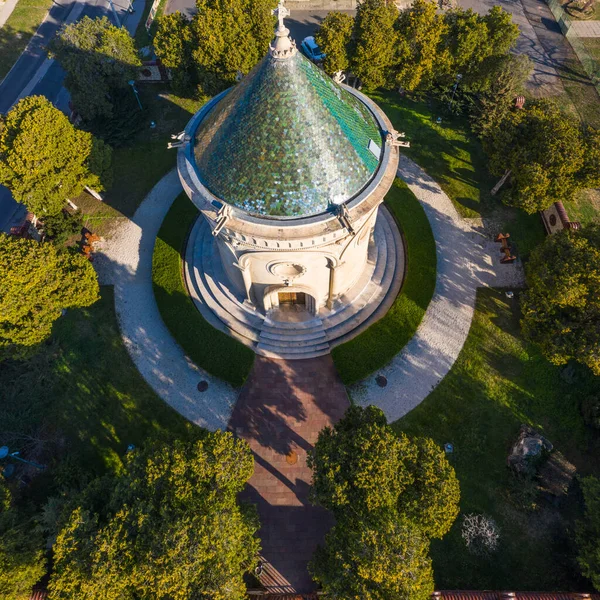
(281, 409)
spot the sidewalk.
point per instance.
(6, 9)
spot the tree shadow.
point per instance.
(280, 411)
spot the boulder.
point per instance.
(527, 451)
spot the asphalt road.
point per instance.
(33, 57)
(51, 84)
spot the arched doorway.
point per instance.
(290, 299)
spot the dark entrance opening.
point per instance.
(292, 298)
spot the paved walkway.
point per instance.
(466, 260)
(544, 80)
(126, 263)
(586, 29)
(280, 411)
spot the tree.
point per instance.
(499, 80)
(334, 37)
(469, 40)
(375, 39)
(22, 561)
(389, 495)
(174, 44)
(561, 307)
(230, 37)
(588, 532)
(544, 150)
(431, 501)
(420, 32)
(169, 527)
(44, 160)
(99, 58)
(38, 282)
(502, 32)
(60, 227)
(386, 561)
(363, 466)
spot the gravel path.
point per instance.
(126, 263)
(466, 260)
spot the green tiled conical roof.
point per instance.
(287, 141)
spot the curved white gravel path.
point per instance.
(466, 260)
(126, 262)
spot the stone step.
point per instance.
(314, 322)
(349, 323)
(192, 285)
(298, 336)
(368, 299)
(352, 309)
(291, 349)
(246, 330)
(214, 275)
(283, 355)
(291, 345)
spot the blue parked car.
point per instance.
(311, 49)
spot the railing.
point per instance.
(590, 64)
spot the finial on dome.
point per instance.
(283, 46)
(281, 12)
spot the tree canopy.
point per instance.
(561, 306)
(168, 527)
(224, 38)
(99, 58)
(334, 37)
(545, 151)
(22, 560)
(588, 532)
(174, 43)
(389, 495)
(420, 32)
(44, 160)
(38, 282)
(374, 42)
(388, 560)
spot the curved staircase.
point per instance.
(366, 302)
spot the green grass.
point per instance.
(453, 156)
(448, 151)
(585, 207)
(18, 30)
(140, 164)
(84, 397)
(592, 45)
(498, 383)
(209, 348)
(581, 90)
(376, 346)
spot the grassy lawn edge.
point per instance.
(376, 346)
(209, 348)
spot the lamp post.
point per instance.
(458, 78)
(137, 96)
(5, 452)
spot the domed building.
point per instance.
(293, 252)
